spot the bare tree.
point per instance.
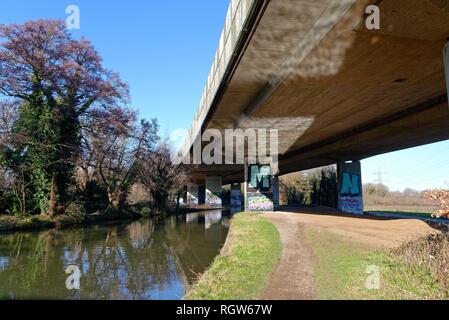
(114, 143)
(97, 127)
(8, 114)
(60, 79)
(161, 177)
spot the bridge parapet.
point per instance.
(235, 23)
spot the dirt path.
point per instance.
(293, 278)
(377, 232)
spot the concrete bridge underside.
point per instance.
(335, 90)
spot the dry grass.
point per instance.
(429, 253)
(341, 270)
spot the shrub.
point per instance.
(442, 196)
(146, 211)
(315, 187)
(7, 223)
(74, 214)
(430, 253)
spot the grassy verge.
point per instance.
(12, 223)
(243, 268)
(342, 271)
(425, 211)
(403, 213)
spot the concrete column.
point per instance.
(213, 191)
(446, 65)
(275, 187)
(192, 194)
(236, 196)
(259, 190)
(184, 196)
(350, 195)
(202, 195)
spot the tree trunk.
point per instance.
(52, 201)
(116, 198)
(178, 196)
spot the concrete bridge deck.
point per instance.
(334, 89)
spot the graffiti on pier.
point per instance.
(260, 193)
(351, 193)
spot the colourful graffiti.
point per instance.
(351, 205)
(260, 176)
(213, 199)
(236, 198)
(351, 200)
(259, 202)
(350, 185)
(192, 200)
(260, 195)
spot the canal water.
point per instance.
(147, 259)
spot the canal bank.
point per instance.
(12, 223)
(245, 264)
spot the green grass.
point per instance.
(423, 211)
(243, 268)
(12, 223)
(410, 214)
(341, 271)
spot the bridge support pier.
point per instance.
(214, 196)
(350, 195)
(192, 194)
(236, 197)
(261, 188)
(202, 194)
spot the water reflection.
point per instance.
(154, 259)
(211, 218)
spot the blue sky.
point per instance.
(164, 50)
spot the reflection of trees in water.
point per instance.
(141, 260)
(194, 245)
(28, 259)
(130, 263)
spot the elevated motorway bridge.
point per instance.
(334, 88)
